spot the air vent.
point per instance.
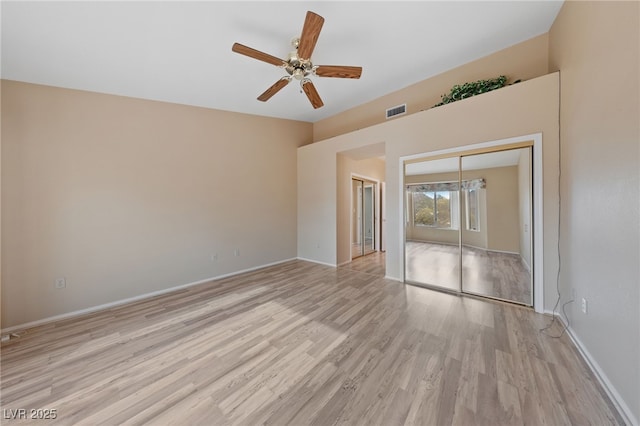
(397, 110)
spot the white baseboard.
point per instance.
(612, 393)
(104, 306)
(387, 277)
(333, 265)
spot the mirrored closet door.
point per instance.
(432, 251)
(468, 224)
(363, 217)
(496, 237)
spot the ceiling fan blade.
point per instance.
(256, 54)
(274, 89)
(339, 71)
(312, 93)
(310, 32)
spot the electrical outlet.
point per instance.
(236, 252)
(584, 305)
(60, 283)
(214, 257)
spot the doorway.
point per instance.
(468, 223)
(363, 217)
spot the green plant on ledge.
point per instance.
(466, 90)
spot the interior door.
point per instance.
(369, 228)
(357, 246)
(383, 217)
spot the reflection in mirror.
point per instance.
(496, 231)
(356, 218)
(472, 212)
(369, 217)
(363, 217)
(432, 252)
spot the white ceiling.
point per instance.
(472, 162)
(181, 51)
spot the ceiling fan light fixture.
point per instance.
(298, 74)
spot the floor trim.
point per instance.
(104, 306)
(612, 393)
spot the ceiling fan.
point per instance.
(298, 64)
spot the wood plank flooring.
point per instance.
(485, 273)
(373, 263)
(357, 248)
(300, 343)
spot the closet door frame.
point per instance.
(533, 140)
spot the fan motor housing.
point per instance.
(294, 63)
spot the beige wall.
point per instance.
(502, 209)
(1, 322)
(371, 168)
(523, 109)
(124, 196)
(524, 61)
(596, 45)
(498, 211)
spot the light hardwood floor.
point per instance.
(357, 249)
(300, 343)
(485, 273)
(373, 263)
